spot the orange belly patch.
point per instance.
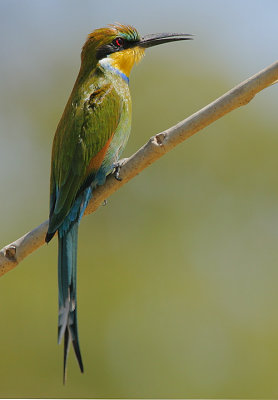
(96, 161)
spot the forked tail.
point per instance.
(67, 324)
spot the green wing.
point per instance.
(80, 144)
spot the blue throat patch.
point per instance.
(125, 78)
(116, 71)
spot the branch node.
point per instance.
(159, 138)
(10, 252)
(247, 99)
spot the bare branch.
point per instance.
(156, 147)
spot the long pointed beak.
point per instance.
(160, 38)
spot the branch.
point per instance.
(156, 147)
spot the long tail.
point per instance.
(67, 324)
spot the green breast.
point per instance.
(122, 132)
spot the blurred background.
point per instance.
(177, 275)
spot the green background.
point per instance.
(177, 275)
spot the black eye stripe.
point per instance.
(117, 44)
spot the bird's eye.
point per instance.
(118, 42)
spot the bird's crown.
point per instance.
(113, 38)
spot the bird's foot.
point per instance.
(117, 167)
(104, 202)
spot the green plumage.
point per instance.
(89, 140)
(90, 137)
(91, 118)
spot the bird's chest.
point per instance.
(122, 132)
(118, 113)
(123, 128)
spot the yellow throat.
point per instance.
(124, 60)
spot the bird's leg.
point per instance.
(117, 167)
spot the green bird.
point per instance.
(88, 142)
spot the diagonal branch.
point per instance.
(156, 147)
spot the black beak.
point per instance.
(160, 38)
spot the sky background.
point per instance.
(178, 273)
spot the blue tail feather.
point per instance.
(67, 264)
(67, 324)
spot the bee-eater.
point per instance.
(88, 142)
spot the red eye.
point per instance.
(119, 42)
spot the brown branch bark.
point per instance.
(156, 147)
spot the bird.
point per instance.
(89, 139)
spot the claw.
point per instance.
(117, 172)
(117, 167)
(104, 202)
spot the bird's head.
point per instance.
(121, 45)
